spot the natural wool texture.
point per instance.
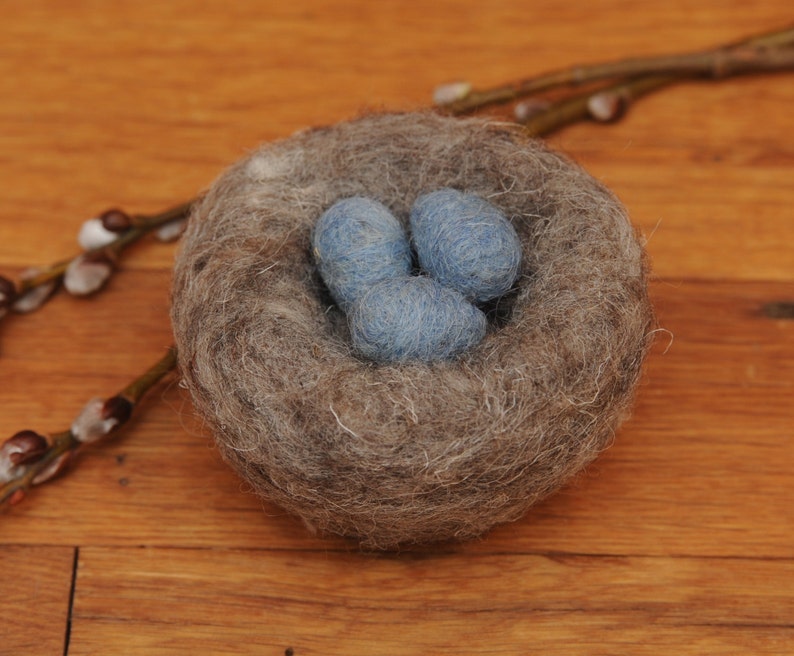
(414, 318)
(364, 257)
(393, 454)
(466, 243)
(356, 243)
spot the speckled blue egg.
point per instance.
(414, 318)
(356, 243)
(466, 243)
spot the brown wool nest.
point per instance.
(391, 454)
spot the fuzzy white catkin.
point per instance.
(93, 234)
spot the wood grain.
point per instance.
(168, 602)
(35, 597)
(677, 540)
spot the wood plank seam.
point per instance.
(70, 608)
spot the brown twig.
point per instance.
(766, 52)
(605, 105)
(140, 226)
(23, 463)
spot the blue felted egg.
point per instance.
(414, 318)
(466, 243)
(356, 243)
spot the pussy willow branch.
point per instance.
(615, 100)
(610, 102)
(106, 419)
(765, 52)
(141, 225)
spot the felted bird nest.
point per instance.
(391, 454)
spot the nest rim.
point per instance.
(419, 507)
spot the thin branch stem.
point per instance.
(618, 96)
(766, 52)
(64, 444)
(138, 387)
(578, 108)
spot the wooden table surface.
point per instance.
(678, 540)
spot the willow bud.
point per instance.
(115, 220)
(94, 235)
(171, 231)
(446, 94)
(35, 297)
(606, 106)
(25, 447)
(57, 466)
(87, 274)
(8, 292)
(98, 418)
